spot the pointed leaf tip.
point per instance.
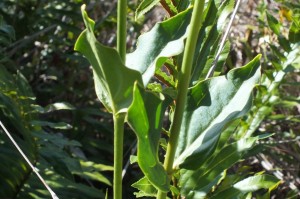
(113, 88)
(209, 103)
(83, 8)
(89, 23)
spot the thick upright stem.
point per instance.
(183, 83)
(118, 154)
(122, 30)
(119, 118)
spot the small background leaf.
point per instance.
(256, 182)
(273, 23)
(145, 188)
(144, 7)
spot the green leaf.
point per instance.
(59, 166)
(133, 159)
(273, 23)
(94, 175)
(200, 181)
(63, 187)
(171, 6)
(209, 108)
(145, 116)
(294, 32)
(98, 167)
(181, 4)
(57, 139)
(16, 113)
(277, 53)
(144, 7)
(255, 183)
(165, 78)
(58, 125)
(261, 113)
(228, 180)
(145, 188)
(6, 31)
(284, 43)
(53, 107)
(249, 185)
(155, 87)
(168, 37)
(113, 80)
(292, 59)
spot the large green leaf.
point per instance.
(113, 80)
(197, 183)
(145, 116)
(166, 39)
(211, 104)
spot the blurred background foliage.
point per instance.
(48, 103)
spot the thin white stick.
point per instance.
(54, 196)
(128, 162)
(213, 67)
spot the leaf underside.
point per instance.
(113, 80)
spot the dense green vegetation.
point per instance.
(49, 105)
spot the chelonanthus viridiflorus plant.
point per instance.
(203, 110)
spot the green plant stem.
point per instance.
(183, 83)
(118, 154)
(119, 118)
(122, 30)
